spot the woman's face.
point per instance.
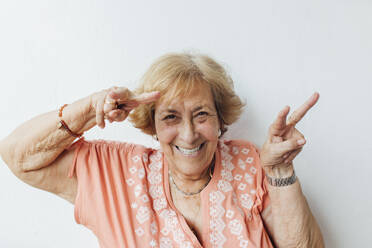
(188, 130)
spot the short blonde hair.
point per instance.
(175, 74)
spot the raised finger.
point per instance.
(279, 125)
(133, 101)
(147, 97)
(297, 115)
(109, 105)
(119, 93)
(288, 146)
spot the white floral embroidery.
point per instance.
(144, 198)
(132, 169)
(141, 173)
(155, 156)
(227, 163)
(172, 224)
(156, 191)
(154, 228)
(241, 164)
(246, 201)
(137, 190)
(178, 235)
(159, 204)
(253, 191)
(165, 242)
(243, 243)
(170, 218)
(130, 181)
(136, 158)
(245, 150)
(186, 244)
(154, 177)
(253, 170)
(249, 160)
(235, 227)
(155, 166)
(242, 186)
(235, 200)
(227, 175)
(238, 177)
(165, 231)
(143, 214)
(248, 178)
(230, 214)
(153, 243)
(217, 224)
(224, 186)
(139, 231)
(134, 205)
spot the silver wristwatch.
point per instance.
(279, 182)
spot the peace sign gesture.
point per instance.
(284, 141)
(115, 103)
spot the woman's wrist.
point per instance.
(80, 115)
(280, 171)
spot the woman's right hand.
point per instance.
(115, 103)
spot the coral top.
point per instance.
(123, 197)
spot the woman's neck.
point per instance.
(190, 184)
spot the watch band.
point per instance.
(280, 182)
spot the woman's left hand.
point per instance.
(284, 141)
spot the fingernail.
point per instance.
(301, 141)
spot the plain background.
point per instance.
(277, 52)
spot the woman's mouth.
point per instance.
(190, 152)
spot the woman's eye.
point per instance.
(202, 113)
(169, 117)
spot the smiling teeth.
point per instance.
(188, 151)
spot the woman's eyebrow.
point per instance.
(201, 107)
(173, 111)
(169, 111)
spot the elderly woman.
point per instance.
(197, 190)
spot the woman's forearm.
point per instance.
(38, 142)
(292, 223)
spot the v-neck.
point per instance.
(204, 203)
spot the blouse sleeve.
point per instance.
(263, 199)
(100, 167)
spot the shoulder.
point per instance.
(238, 146)
(242, 155)
(112, 145)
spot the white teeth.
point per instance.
(188, 151)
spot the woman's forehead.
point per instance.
(199, 97)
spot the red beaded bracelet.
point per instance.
(63, 124)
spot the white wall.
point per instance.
(278, 52)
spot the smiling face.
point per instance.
(188, 130)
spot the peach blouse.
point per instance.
(123, 197)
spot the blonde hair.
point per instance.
(176, 74)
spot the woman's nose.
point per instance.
(187, 132)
